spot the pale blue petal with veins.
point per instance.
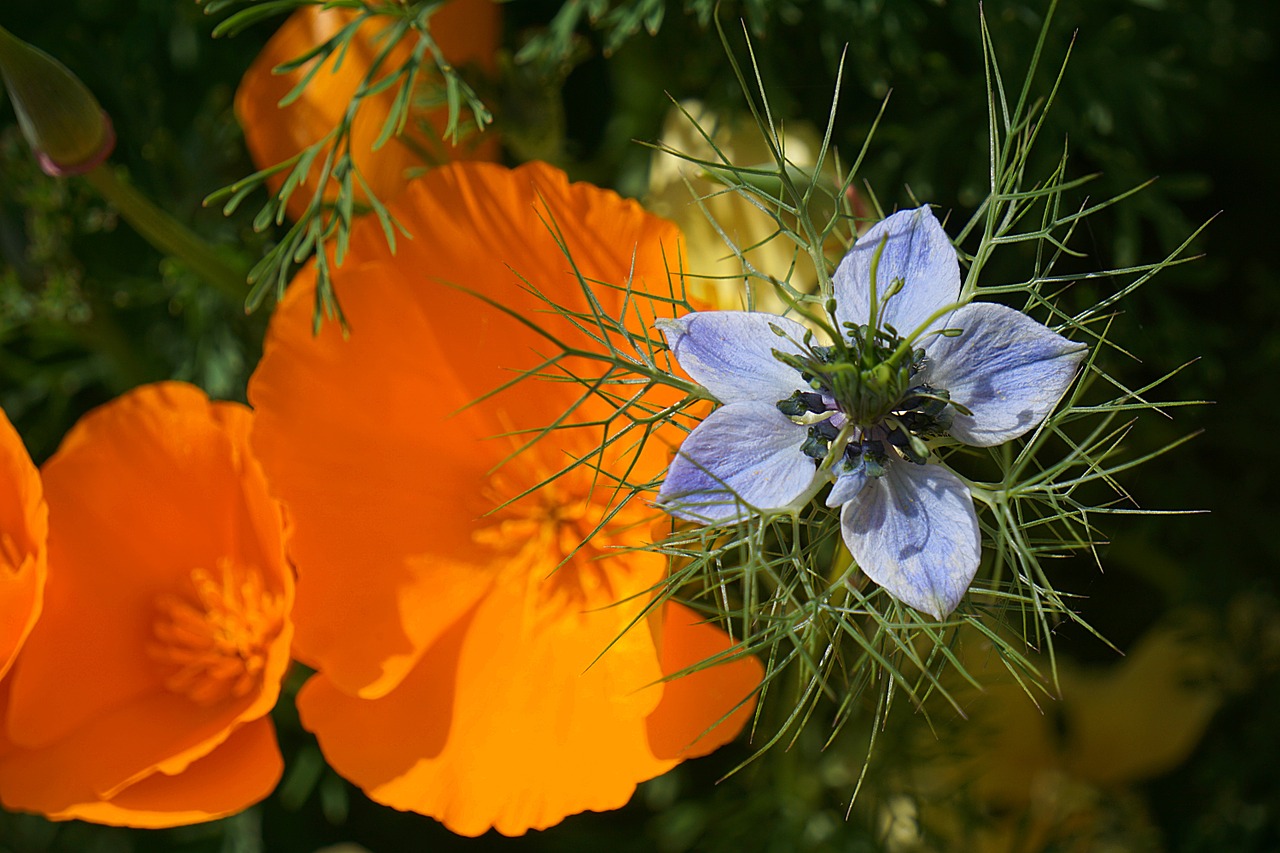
(914, 532)
(730, 353)
(1005, 368)
(917, 251)
(743, 456)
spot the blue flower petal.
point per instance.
(730, 353)
(744, 456)
(918, 251)
(914, 532)
(1004, 367)
(848, 485)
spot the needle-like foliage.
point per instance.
(323, 230)
(781, 581)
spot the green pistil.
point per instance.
(877, 397)
(865, 375)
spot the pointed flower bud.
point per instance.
(59, 116)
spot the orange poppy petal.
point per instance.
(24, 533)
(376, 463)
(691, 704)
(167, 554)
(488, 215)
(467, 32)
(240, 772)
(369, 469)
(513, 720)
(458, 647)
(498, 232)
(108, 754)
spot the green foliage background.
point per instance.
(1187, 90)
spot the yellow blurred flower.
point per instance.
(1017, 777)
(734, 246)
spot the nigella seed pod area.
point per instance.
(874, 402)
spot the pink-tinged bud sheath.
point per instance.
(62, 121)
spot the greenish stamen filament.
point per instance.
(867, 390)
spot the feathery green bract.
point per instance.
(323, 230)
(835, 646)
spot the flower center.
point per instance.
(565, 530)
(868, 383)
(214, 638)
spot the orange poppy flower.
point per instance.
(141, 696)
(467, 32)
(24, 531)
(464, 644)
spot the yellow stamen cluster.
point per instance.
(214, 637)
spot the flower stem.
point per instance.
(167, 234)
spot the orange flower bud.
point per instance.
(277, 128)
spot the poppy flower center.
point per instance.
(213, 638)
(562, 533)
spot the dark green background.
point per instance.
(1185, 90)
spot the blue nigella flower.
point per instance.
(910, 368)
